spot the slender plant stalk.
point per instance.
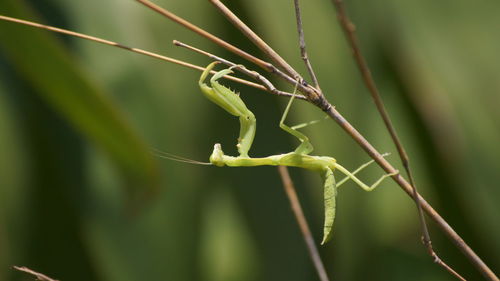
(301, 220)
(433, 214)
(255, 38)
(371, 85)
(205, 34)
(254, 74)
(302, 45)
(313, 95)
(37, 275)
(135, 50)
(349, 32)
(263, 64)
(283, 170)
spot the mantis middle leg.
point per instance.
(305, 146)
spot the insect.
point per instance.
(324, 165)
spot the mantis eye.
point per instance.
(217, 156)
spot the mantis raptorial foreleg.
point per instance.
(233, 104)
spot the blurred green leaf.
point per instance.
(46, 64)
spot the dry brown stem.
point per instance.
(254, 74)
(349, 32)
(302, 45)
(301, 220)
(35, 274)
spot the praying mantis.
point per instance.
(324, 165)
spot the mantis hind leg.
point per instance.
(359, 169)
(330, 193)
(351, 176)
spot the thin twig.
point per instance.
(302, 45)
(307, 90)
(285, 176)
(312, 94)
(267, 84)
(301, 220)
(37, 275)
(206, 34)
(261, 63)
(384, 164)
(255, 38)
(131, 49)
(349, 31)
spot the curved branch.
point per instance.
(433, 214)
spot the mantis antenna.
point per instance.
(170, 156)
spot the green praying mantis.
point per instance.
(234, 105)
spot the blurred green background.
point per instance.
(83, 198)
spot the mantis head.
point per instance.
(217, 156)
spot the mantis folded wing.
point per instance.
(232, 103)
